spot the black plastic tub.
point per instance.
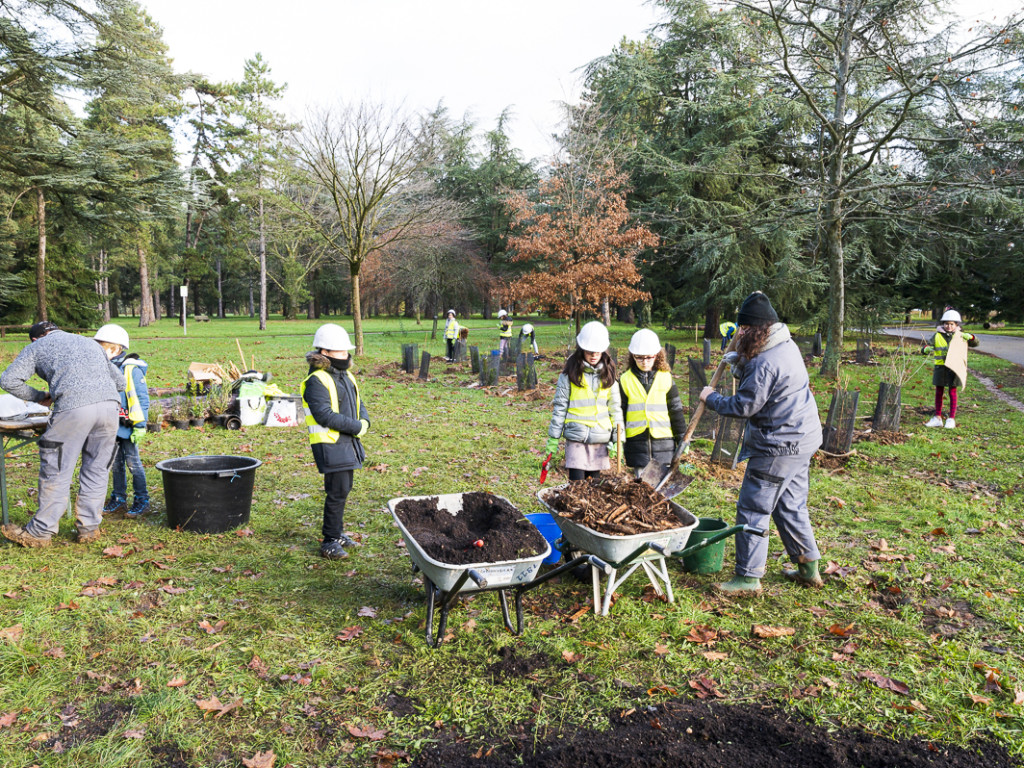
(208, 494)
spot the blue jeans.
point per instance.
(127, 455)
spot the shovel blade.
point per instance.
(675, 484)
(653, 473)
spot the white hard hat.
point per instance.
(527, 329)
(593, 337)
(112, 334)
(645, 342)
(950, 315)
(332, 337)
(451, 311)
(502, 313)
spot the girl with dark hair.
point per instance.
(587, 406)
(783, 432)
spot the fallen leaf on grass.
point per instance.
(702, 635)
(92, 592)
(349, 633)
(212, 629)
(571, 657)
(7, 720)
(949, 549)
(879, 546)
(660, 649)
(367, 611)
(244, 532)
(763, 631)
(705, 687)
(260, 760)
(885, 682)
(173, 590)
(56, 652)
(11, 595)
(469, 626)
(715, 655)
(1018, 697)
(139, 733)
(369, 732)
(12, 633)
(257, 666)
(113, 552)
(982, 700)
(213, 704)
(846, 631)
(177, 682)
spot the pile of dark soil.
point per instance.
(615, 505)
(710, 735)
(487, 530)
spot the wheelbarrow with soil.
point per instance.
(638, 533)
(474, 542)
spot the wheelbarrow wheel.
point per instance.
(580, 572)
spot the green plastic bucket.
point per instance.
(707, 559)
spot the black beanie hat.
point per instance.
(40, 329)
(757, 310)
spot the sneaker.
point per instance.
(950, 423)
(19, 535)
(86, 537)
(115, 506)
(934, 421)
(139, 508)
(333, 550)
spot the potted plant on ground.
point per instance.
(156, 417)
(179, 414)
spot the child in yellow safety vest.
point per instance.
(947, 335)
(587, 405)
(651, 406)
(336, 418)
(504, 331)
(131, 426)
(451, 333)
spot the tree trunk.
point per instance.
(263, 271)
(252, 301)
(146, 316)
(41, 310)
(104, 287)
(711, 321)
(606, 312)
(833, 239)
(220, 289)
(357, 319)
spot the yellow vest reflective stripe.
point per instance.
(135, 414)
(317, 432)
(588, 408)
(506, 330)
(647, 409)
(941, 348)
(451, 330)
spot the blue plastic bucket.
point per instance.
(549, 529)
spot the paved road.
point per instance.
(1006, 347)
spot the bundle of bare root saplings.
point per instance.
(615, 505)
(487, 530)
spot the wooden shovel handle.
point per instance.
(699, 411)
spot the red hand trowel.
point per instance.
(544, 468)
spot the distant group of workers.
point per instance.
(453, 331)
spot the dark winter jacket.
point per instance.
(640, 449)
(348, 452)
(774, 393)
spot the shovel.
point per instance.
(670, 484)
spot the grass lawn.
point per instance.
(157, 648)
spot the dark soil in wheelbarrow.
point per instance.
(692, 734)
(487, 530)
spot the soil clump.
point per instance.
(487, 530)
(615, 505)
(709, 735)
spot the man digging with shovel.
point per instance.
(783, 432)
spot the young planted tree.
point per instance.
(577, 238)
(368, 165)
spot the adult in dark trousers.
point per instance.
(336, 418)
(652, 409)
(85, 393)
(783, 432)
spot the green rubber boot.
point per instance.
(805, 573)
(739, 585)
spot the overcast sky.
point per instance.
(477, 56)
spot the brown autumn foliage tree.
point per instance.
(577, 241)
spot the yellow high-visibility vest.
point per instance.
(451, 330)
(506, 329)
(317, 432)
(588, 407)
(941, 348)
(135, 414)
(726, 328)
(647, 409)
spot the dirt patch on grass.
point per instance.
(80, 728)
(703, 735)
(512, 665)
(170, 756)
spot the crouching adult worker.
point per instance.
(654, 414)
(336, 418)
(783, 432)
(84, 389)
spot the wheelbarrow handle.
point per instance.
(477, 578)
(762, 532)
(724, 534)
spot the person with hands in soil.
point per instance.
(652, 409)
(131, 425)
(84, 389)
(587, 405)
(336, 417)
(783, 432)
(945, 343)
